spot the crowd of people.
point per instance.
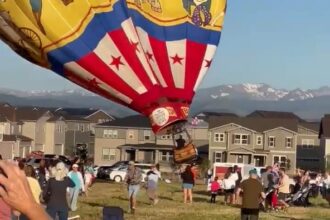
(54, 188)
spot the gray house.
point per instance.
(253, 140)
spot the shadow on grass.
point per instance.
(165, 198)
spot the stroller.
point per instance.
(300, 198)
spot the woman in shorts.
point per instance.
(188, 183)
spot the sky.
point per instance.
(285, 44)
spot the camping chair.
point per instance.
(113, 213)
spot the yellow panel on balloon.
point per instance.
(208, 14)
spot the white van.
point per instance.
(219, 169)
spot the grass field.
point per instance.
(172, 207)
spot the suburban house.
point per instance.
(324, 136)
(131, 138)
(310, 155)
(33, 125)
(253, 140)
(12, 142)
(94, 116)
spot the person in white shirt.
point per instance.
(229, 184)
(152, 184)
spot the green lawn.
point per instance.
(171, 206)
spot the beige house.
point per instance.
(253, 140)
(12, 142)
(131, 138)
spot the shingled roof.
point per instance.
(133, 121)
(325, 127)
(255, 124)
(7, 137)
(29, 113)
(314, 126)
(274, 114)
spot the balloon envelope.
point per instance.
(149, 55)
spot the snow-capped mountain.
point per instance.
(263, 92)
(241, 99)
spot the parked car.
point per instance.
(35, 162)
(118, 175)
(104, 171)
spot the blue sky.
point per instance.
(282, 43)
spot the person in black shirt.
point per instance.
(188, 183)
(180, 142)
(55, 193)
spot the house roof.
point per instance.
(314, 126)
(29, 113)
(81, 112)
(3, 118)
(274, 114)
(325, 127)
(255, 124)
(7, 137)
(135, 121)
(208, 114)
(57, 117)
(146, 146)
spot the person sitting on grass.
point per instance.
(215, 187)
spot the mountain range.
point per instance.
(235, 98)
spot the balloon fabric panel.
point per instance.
(149, 55)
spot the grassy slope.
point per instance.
(171, 206)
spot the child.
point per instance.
(215, 186)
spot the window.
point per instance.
(219, 137)
(307, 143)
(217, 157)
(241, 139)
(281, 160)
(166, 156)
(147, 135)
(108, 154)
(271, 142)
(165, 137)
(110, 133)
(130, 134)
(288, 142)
(259, 140)
(59, 128)
(81, 127)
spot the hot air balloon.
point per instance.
(149, 55)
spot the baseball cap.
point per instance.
(131, 163)
(253, 171)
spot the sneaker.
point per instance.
(156, 201)
(133, 210)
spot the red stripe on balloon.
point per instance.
(194, 61)
(128, 50)
(86, 84)
(93, 64)
(160, 56)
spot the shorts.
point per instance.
(229, 191)
(36, 5)
(282, 196)
(133, 190)
(187, 186)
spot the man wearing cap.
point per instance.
(78, 180)
(133, 179)
(252, 194)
